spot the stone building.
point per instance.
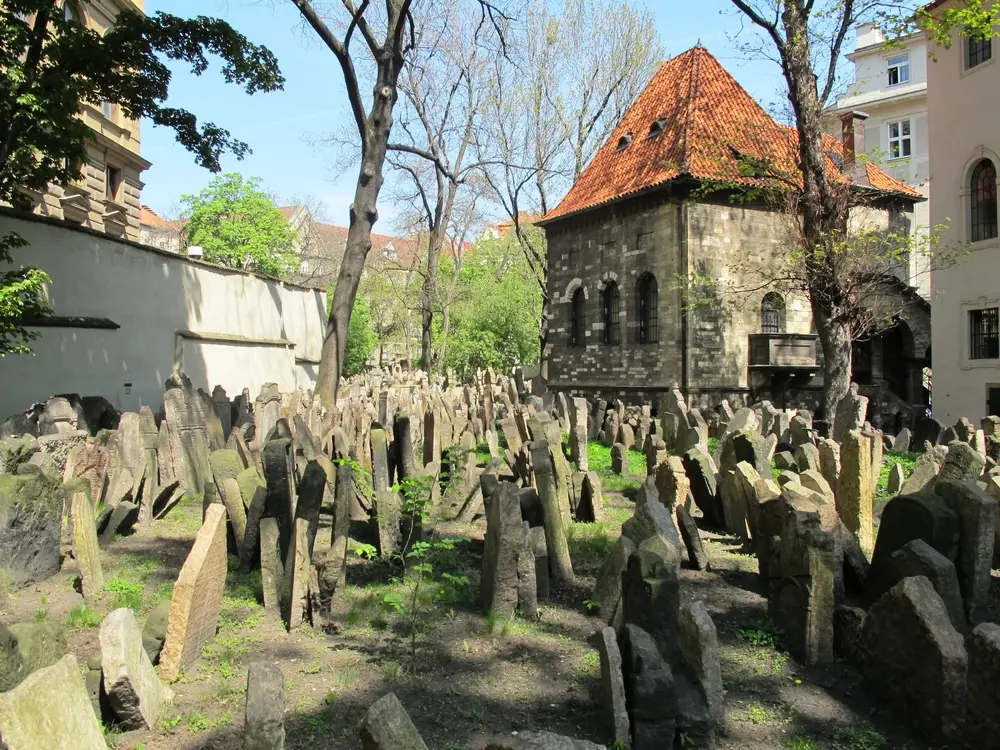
(639, 223)
(107, 197)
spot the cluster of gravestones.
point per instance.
(908, 607)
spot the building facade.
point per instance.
(639, 231)
(107, 196)
(965, 156)
(890, 86)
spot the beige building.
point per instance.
(106, 198)
(964, 117)
(890, 86)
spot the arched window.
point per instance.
(984, 201)
(577, 322)
(772, 313)
(647, 331)
(610, 309)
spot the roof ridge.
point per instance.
(693, 80)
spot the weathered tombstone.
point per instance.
(331, 563)
(649, 690)
(590, 504)
(691, 538)
(977, 519)
(918, 558)
(962, 464)
(197, 596)
(907, 620)
(700, 470)
(672, 485)
(982, 723)
(651, 590)
(185, 420)
(508, 552)
(267, 411)
(905, 518)
(925, 471)
(698, 647)
(928, 430)
(31, 505)
(264, 722)
(50, 709)
(271, 570)
(280, 488)
(387, 726)
(613, 687)
(85, 549)
(855, 491)
(896, 479)
(619, 460)
(560, 564)
(850, 415)
(121, 521)
(608, 589)
(902, 442)
(130, 682)
(298, 567)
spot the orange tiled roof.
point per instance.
(148, 217)
(709, 123)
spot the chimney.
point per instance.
(853, 138)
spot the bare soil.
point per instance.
(472, 676)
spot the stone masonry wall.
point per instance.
(618, 243)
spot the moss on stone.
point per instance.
(226, 464)
(40, 644)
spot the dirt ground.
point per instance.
(473, 676)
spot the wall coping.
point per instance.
(14, 213)
(234, 338)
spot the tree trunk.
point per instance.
(359, 235)
(835, 338)
(427, 299)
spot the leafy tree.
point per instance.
(496, 319)
(361, 338)
(237, 225)
(50, 66)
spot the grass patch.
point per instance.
(803, 743)
(889, 459)
(855, 738)
(762, 634)
(766, 716)
(599, 460)
(82, 617)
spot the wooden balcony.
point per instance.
(783, 352)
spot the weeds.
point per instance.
(170, 723)
(391, 671)
(82, 617)
(758, 713)
(762, 634)
(126, 594)
(803, 743)
(853, 738)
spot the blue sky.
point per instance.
(281, 128)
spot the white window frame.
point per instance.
(900, 64)
(901, 138)
(965, 351)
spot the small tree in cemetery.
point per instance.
(361, 339)
(237, 225)
(806, 38)
(51, 65)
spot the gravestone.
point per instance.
(619, 460)
(701, 473)
(856, 488)
(613, 687)
(266, 411)
(187, 433)
(197, 596)
(902, 442)
(651, 590)
(130, 682)
(387, 726)
(560, 564)
(850, 415)
(50, 709)
(982, 725)
(505, 580)
(85, 549)
(31, 504)
(907, 620)
(649, 690)
(608, 589)
(280, 488)
(271, 568)
(264, 718)
(928, 430)
(698, 646)
(917, 558)
(691, 538)
(977, 519)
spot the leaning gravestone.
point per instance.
(85, 549)
(387, 726)
(50, 709)
(264, 724)
(197, 597)
(850, 414)
(613, 687)
(130, 682)
(187, 433)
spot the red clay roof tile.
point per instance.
(709, 124)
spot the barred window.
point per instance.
(980, 50)
(984, 201)
(577, 323)
(984, 333)
(772, 313)
(646, 295)
(610, 310)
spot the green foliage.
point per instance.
(22, 297)
(763, 635)
(238, 226)
(496, 318)
(126, 594)
(599, 460)
(41, 615)
(82, 617)
(361, 337)
(52, 66)
(889, 459)
(857, 738)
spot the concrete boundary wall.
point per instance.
(220, 326)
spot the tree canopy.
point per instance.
(497, 314)
(51, 66)
(237, 225)
(361, 338)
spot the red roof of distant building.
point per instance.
(693, 119)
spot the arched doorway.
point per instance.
(897, 359)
